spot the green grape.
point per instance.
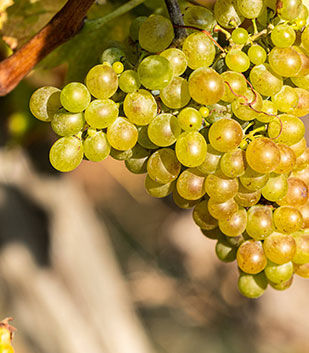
(212, 161)
(283, 36)
(177, 59)
(225, 251)
(191, 149)
(236, 83)
(301, 82)
(75, 97)
(202, 217)
(289, 9)
(288, 130)
(135, 26)
(302, 161)
(225, 135)
(235, 225)
(66, 153)
(265, 81)
(137, 163)
(285, 61)
(223, 210)
(221, 188)
(190, 119)
(100, 114)
(158, 190)
(288, 219)
(214, 234)
(252, 286)
(302, 270)
(302, 107)
(200, 17)
(206, 86)
(276, 187)
(163, 166)
(121, 155)
(247, 198)
(155, 34)
(263, 155)
(257, 54)
(176, 95)
(304, 210)
(102, 81)
(155, 72)
(112, 55)
(227, 13)
(270, 111)
(122, 135)
(45, 102)
(305, 38)
(164, 130)
(301, 256)
(278, 273)
(279, 248)
(251, 257)
(253, 180)
(140, 107)
(65, 123)
(241, 108)
(286, 99)
(96, 146)
(297, 194)
(190, 184)
(304, 70)
(250, 9)
(302, 174)
(260, 222)
(129, 81)
(283, 285)
(199, 50)
(232, 164)
(237, 60)
(143, 138)
(183, 203)
(240, 35)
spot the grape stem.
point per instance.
(174, 11)
(218, 28)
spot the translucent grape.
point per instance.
(301, 81)
(223, 210)
(122, 135)
(302, 270)
(140, 107)
(96, 146)
(176, 95)
(66, 153)
(206, 86)
(304, 210)
(102, 81)
(101, 113)
(279, 248)
(183, 203)
(276, 187)
(240, 36)
(250, 9)
(190, 184)
(137, 163)
(289, 9)
(288, 219)
(247, 198)
(297, 194)
(164, 130)
(190, 119)
(304, 70)
(289, 129)
(191, 149)
(285, 61)
(177, 59)
(212, 161)
(221, 188)
(299, 147)
(163, 166)
(260, 222)
(75, 97)
(283, 285)
(65, 123)
(241, 108)
(112, 55)
(270, 109)
(227, 13)
(155, 72)
(225, 251)
(121, 155)
(45, 102)
(302, 107)
(233, 163)
(202, 217)
(235, 225)
(279, 273)
(143, 138)
(158, 190)
(286, 99)
(155, 34)
(200, 17)
(250, 257)
(237, 60)
(283, 36)
(265, 81)
(225, 135)
(252, 286)
(301, 255)
(303, 160)
(135, 26)
(253, 180)
(305, 38)
(129, 81)
(237, 85)
(257, 54)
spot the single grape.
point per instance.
(211, 163)
(285, 61)
(190, 119)
(223, 210)
(235, 225)
(304, 70)
(287, 159)
(235, 85)
(283, 285)
(122, 135)
(302, 107)
(270, 111)
(45, 102)
(301, 81)
(143, 138)
(252, 286)
(242, 109)
(225, 251)
(288, 219)
(155, 72)
(135, 26)
(286, 99)
(158, 190)
(137, 163)
(237, 60)
(177, 59)
(233, 163)
(129, 81)
(202, 217)
(200, 17)
(305, 38)
(227, 13)
(283, 36)
(250, 257)
(164, 130)
(250, 9)
(278, 273)
(240, 35)
(247, 198)
(302, 270)
(190, 184)
(75, 97)
(257, 54)
(221, 188)
(206, 86)
(183, 203)
(276, 187)
(280, 248)
(163, 166)
(304, 210)
(100, 114)
(301, 255)
(102, 81)
(191, 149)
(140, 107)
(155, 34)
(66, 153)
(112, 55)
(265, 80)
(176, 95)
(118, 67)
(302, 161)
(65, 123)
(121, 155)
(253, 180)
(96, 146)
(225, 135)
(297, 194)
(260, 222)
(214, 234)
(289, 9)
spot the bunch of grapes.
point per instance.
(6, 335)
(214, 120)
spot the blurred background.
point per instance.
(89, 262)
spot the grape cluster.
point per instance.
(213, 119)
(6, 335)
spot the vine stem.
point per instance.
(176, 18)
